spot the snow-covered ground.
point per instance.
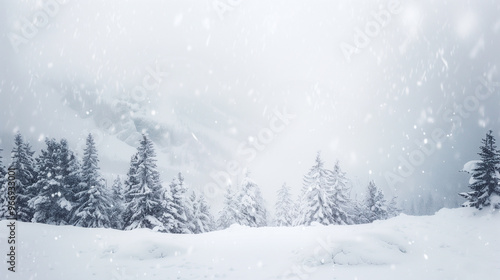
(453, 244)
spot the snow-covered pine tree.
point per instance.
(174, 207)
(325, 196)
(358, 212)
(131, 179)
(485, 177)
(204, 215)
(200, 220)
(340, 203)
(3, 190)
(375, 203)
(190, 208)
(118, 200)
(285, 208)
(71, 176)
(51, 204)
(315, 199)
(229, 214)
(251, 206)
(144, 190)
(169, 223)
(129, 182)
(392, 208)
(93, 200)
(26, 175)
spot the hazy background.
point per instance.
(221, 76)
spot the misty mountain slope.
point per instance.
(201, 82)
(453, 244)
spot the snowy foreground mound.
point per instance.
(453, 244)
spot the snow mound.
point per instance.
(470, 166)
(354, 247)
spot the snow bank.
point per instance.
(453, 244)
(470, 166)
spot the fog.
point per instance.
(400, 92)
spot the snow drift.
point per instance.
(453, 244)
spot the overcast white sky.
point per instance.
(203, 82)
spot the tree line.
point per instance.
(324, 199)
(58, 188)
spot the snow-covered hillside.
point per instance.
(453, 244)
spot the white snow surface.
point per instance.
(470, 166)
(453, 244)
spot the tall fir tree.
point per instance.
(229, 214)
(144, 190)
(174, 207)
(24, 167)
(93, 200)
(118, 201)
(252, 211)
(485, 177)
(315, 200)
(131, 174)
(4, 214)
(52, 202)
(204, 216)
(70, 173)
(200, 220)
(130, 181)
(190, 208)
(339, 200)
(392, 208)
(376, 208)
(285, 208)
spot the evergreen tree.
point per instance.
(51, 204)
(252, 211)
(174, 207)
(190, 208)
(392, 208)
(204, 216)
(131, 177)
(168, 210)
(229, 214)
(285, 208)
(485, 177)
(200, 219)
(375, 203)
(129, 183)
(70, 168)
(93, 206)
(144, 190)
(316, 195)
(24, 165)
(359, 212)
(118, 200)
(3, 190)
(339, 200)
